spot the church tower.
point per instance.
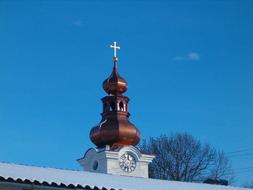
(115, 136)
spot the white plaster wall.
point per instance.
(108, 161)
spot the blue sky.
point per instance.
(188, 65)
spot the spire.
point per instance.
(115, 129)
(115, 84)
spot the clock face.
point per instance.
(127, 162)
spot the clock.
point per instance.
(127, 162)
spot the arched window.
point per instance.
(121, 106)
(112, 106)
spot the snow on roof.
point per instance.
(52, 176)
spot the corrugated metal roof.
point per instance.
(81, 179)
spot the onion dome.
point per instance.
(115, 84)
(115, 132)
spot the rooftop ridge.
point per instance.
(74, 178)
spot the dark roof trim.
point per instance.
(71, 186)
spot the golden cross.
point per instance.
(115, 47)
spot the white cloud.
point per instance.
(192, 56)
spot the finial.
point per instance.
(115, 47)
(115, 84)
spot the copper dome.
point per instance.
(115, 84)
(116, 131)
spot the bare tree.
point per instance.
(221, 167)
(181, 157)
